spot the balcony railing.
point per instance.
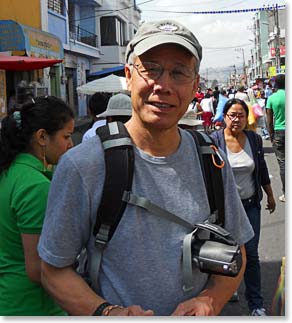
(82, 35)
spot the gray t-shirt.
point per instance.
(142, 263)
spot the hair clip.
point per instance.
(17, 118)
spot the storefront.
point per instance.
(33, 51)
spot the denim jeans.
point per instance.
(252, 275)
(279, 147)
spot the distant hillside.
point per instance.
(221, 74)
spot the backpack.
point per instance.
(119, 165)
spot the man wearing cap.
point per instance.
(141, 268)
(119, 108)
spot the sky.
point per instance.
(225, 38)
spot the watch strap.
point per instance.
(99, 310)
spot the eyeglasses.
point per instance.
(153, 71)
(233, 116)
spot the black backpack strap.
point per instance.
(211, 164)
(119, 169)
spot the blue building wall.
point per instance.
(87, 19)
(57, 25)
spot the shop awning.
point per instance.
(117, 70)
(109, 84)
(15, 37)
(24, 63)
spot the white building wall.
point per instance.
(114, 55)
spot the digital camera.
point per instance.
(218, 254)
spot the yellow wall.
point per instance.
(26, 12)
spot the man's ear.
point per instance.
(41, 136)
(128, 74)
(197, 82)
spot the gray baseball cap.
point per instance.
(118, 105)
(152, 34)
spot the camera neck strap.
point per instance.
(187, 267)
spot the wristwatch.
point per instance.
(101, 308)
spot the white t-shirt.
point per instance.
(242, 96)
(207, 105)
(243, 165)
(91, 132)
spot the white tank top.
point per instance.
(242, 164)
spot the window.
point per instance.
(56, 6)
(113, 31)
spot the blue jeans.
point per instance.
(279, 147)
(252, 275)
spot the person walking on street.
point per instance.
(199, 94)
(119, 108)
(97, 104)
(33, 137)
(241, 94)
(276, 125)
(244, 149)
(140, 272)
(208, 112)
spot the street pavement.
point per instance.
(272, 242)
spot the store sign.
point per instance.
(36, 43)
(40, 44)
(274, 72)
(282, 51)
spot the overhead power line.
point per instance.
(227, 47)
(268, 8)
(212, 12)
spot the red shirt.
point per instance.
(199, 96)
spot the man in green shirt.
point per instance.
(276, 125)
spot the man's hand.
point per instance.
(133, 310)
(271, 204)
(198, 306)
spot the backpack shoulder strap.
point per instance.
(211, 164)
(119, 169)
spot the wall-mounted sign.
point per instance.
(282, 51)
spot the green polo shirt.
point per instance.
(23, 197)
(276, 102)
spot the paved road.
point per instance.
(272, 243)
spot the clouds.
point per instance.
(219, 34)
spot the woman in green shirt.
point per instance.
(33, 138)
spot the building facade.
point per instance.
(269, 51)
(21, 34)
(93, 35)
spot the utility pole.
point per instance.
(207, 79)
(277, 40)
(243, 63)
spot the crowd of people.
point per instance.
(206, 102)
(48, 211)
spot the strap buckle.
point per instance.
(102, 235)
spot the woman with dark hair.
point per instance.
(244, 149)
(33, 138)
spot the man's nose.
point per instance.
(164, 81)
